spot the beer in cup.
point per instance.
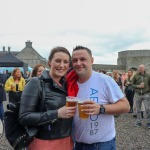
(82, 115)
(142, 84)
(71, 101)
(128, 82)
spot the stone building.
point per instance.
(133, 58)
(128, 59)
(30, 56)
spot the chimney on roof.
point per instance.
(8, 48)
(29, 44)
(3, 48)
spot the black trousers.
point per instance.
(14, 97)
(130, 96)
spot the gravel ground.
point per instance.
(127, 138)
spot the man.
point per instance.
(141, 83)
(27, 75)
(104, 99)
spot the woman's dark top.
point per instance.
(51, 127)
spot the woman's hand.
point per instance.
(12, 86)
(66, 112)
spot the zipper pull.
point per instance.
(49, 127)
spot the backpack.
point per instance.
(17, 135)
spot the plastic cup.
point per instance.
(82, 115)
(142, 84)
(71, 101)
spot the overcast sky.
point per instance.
(104, 26)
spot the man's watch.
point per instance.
(102, 109)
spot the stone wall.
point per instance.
(108, 67)
(133, 58)
(126, 59)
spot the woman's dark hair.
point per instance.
(35, 70)
(14, 72)
(58, 49)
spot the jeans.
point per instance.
(146, 100)
(1, 111)
(109, 145)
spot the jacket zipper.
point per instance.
(50, 121)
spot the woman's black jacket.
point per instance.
(51, 127)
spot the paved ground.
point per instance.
(127, 138)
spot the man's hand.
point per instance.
(90, 107)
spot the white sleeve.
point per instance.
(113, 91)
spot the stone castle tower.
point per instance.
(128, 59)
(133, 58)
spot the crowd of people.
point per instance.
(136, 87)
(103, 95)
(14, 83)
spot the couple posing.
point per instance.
(104, 99)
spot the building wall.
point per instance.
(126, 59)
(30, 56)
(134, 58)
(108, 67)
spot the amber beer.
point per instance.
(71, 101)
(82, 115)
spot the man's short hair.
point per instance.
(82, 48)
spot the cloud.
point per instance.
(105, 27)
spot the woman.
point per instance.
(37, 70)
(56, 135)
(117, 78)
(129, 90)
(15, 85)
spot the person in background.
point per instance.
(15, 85)
(109, 74)
(102, 71)
(129, 90)
(55, 121)
(37, 70)
(123, 78)
(27, 75)
(3, 79)
(141, 83)
(5, 72)
(116, 77)
(103, 98)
